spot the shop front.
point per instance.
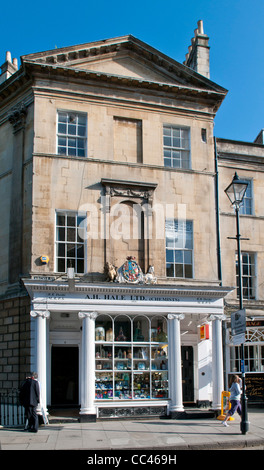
(117, 350)
(253, 359)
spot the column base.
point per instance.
(87, 418)
(177, 414)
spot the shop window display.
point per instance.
(131, 357)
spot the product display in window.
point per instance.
(134, 351)
(138, 336)
(104, 385)
(123, 386)
(103, 357)
(141, 385)
(159, 384)
(159, 359)
(123, 358)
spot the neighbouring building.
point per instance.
(247, 160)
(110, 264)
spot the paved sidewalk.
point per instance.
(137, 435)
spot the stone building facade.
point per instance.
(109, 269)
(246, 159)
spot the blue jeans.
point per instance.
(235, 406)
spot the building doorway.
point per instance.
(187, 374)
(65, 376)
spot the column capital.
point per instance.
(220, 317)
(91, 315)
(176, 316)
(43, 314)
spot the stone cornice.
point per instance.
(58, 286)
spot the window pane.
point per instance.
(169, 256)
(61, 265)
(72, 152)
(61, 250)
(80, 251)
(62, 128)
(166, 131)
(60, 219)
(176, 142)
(71, 234)
(187, 257)
(71, 221)
(80, 266)
(167, 141)
(178, 256)
(62, 151)
(188, 271)
(62, 117)
(169, 270)
(176, 132)
(179, 270)
(61, 234)
(62, 141)
(82, 120)
(70, 250)
(71, 129)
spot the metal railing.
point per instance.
(12, 413)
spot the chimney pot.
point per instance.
(15, 63)
(8, 56)
(200, 27)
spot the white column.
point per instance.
(88, 366)
(41, 352)
(175, 372)
(217, 360)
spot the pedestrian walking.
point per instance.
(235, 392)
(30, 398)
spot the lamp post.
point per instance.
(236, 192)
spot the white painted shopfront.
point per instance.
(119, 350)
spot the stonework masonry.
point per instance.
(14, 341)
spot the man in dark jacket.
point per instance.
(30, 397)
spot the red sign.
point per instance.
(204, 332)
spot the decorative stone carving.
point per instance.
(110, 271)
(44, 314)
(17, 116)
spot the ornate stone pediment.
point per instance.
(126, 58)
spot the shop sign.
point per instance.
(204, 332)
(238, 322)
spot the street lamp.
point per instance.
(236, 192)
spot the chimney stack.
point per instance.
(197, 57)
(8, 67)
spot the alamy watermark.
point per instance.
(130, 221)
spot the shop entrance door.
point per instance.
(65, 376)
(187, 374)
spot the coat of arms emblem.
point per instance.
(130, 272)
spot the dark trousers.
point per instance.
(32, 417)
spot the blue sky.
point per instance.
(235, 29)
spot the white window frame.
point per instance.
(247, 277)
(247, 206)
(66, 242)
(176, 156)
(179, 248)
(71, 140)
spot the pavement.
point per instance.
(138, 435)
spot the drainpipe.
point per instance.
(217, 216)
(219, 261)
